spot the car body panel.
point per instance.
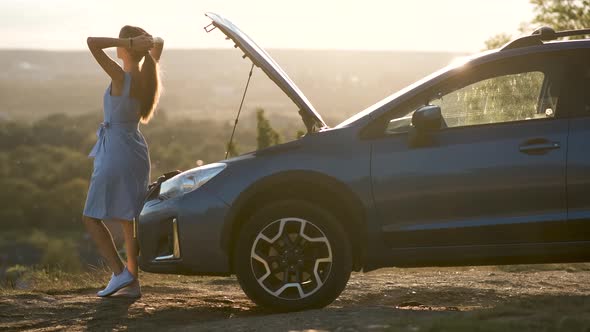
(517, 253)
(200, 219)
(578, 158)
(578, 180)
(302, 155)
(478, 189)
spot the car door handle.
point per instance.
(538, 147)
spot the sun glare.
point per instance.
(459, 61)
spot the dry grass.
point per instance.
(568, 313)
(51, 281)
(433, 299)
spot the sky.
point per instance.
(427, 25)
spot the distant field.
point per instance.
(209, 83)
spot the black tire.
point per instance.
(319, 222)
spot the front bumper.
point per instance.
(191, 227)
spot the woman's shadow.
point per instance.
(110, 313)
(159, 307)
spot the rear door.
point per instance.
(495, 176)
(576, 100)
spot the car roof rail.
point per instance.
(543, 34)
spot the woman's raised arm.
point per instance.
(110, 66)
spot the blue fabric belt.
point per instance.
(101, 133)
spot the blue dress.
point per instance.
(121, 173)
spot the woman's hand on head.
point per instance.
(142, 43)
(156, 52)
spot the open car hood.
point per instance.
(312, 120)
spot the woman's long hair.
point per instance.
(148, 91)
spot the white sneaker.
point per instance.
(117, 282)
(133, 290)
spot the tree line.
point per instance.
(557, 14)
(45, 168)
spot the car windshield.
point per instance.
(453, 65)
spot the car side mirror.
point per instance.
(427, 118)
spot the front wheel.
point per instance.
(292, 255)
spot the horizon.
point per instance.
(364, 77)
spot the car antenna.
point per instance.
(231, 138)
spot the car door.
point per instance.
(576, 100)
(495, 175)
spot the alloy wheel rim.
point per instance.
(291, 258)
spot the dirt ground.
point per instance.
(386, 299)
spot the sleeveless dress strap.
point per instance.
(127, 84)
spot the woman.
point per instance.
(121, 159)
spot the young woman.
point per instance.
(121, 171)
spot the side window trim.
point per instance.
(472, 127)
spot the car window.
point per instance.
(498, 99)
(503, 98)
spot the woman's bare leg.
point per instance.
(104, 242)
(131, 247)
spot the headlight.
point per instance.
(189, 180)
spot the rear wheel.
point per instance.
(292, 255)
